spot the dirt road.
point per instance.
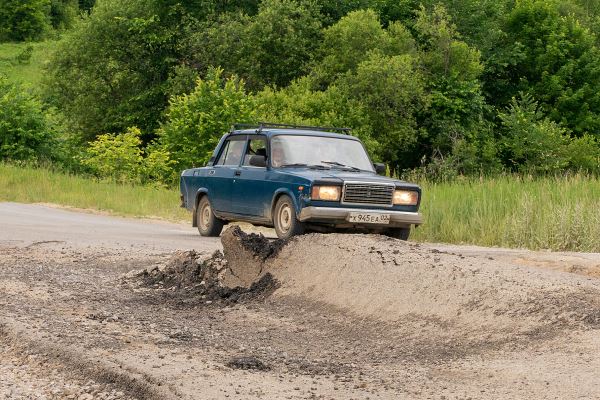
(350, 317)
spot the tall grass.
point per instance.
(38, 185)
(560, 213)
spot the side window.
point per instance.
(256, 146)
(232, 153)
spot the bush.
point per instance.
(584, 154)
(537, 144)
(25, 131)
(299, 104)
(22, 20)
(118, 157)
(110, 72)
(158, 167)
(391, 90)
(121, 158)
(195, 122)
(272, 47)
(63, 13)
(534, 143)
(24, 57)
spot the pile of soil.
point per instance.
(388, 280)
(238, 277)
(400, 282)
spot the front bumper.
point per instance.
(339, 216)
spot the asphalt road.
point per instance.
(27, 224)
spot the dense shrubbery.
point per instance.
(26, 133)
(195, 122)
(24, 19)
(448, 87)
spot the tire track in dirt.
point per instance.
(80, 365)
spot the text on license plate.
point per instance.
(369, 218)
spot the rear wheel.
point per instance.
(208, 223)
(284, 219)
(399, 233)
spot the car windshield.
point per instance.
(325, 152)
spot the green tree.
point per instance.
(353, 39)
(272, 47)
(22, 20)
(299, 104)
(63, 13)
(335, 10)
(452, 68)
(25, 131)
(555, 59)
(195, 122)
(111, 71)
(536, 144)
(392, 90)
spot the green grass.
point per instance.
(30, 74)
(560, 213)
(37, 185)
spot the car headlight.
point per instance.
(405, 197)
(326, 193)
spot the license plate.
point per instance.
(369, 218)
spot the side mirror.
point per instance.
(258, 161)
(380, 168)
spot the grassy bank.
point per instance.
(32, 185)
(548, 213)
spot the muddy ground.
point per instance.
(324, 316)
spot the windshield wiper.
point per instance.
(316, 166)
(338, 164)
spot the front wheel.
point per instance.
(284, 219)
(208, 223)
(399, 233)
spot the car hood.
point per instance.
(338, 176)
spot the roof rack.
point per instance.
(265, 125)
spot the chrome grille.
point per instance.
(368, 193)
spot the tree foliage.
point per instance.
(26, 133)
(556, 60)
(270, 48)
(22, 20)
(63, 13)
(111, 72)
(195, 122)
(448, 86)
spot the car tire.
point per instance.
(208, 223)
(285, 220)
(399, 233)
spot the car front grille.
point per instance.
(368, 194)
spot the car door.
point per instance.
(221, 176)
(249, 192)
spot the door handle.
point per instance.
(237, 173)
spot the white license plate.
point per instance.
(369, 218)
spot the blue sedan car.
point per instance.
(297, 179)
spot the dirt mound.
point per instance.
(390, 281)
(233, 276)
(246, 255)
(394, 281)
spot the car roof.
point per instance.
(269, 132)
